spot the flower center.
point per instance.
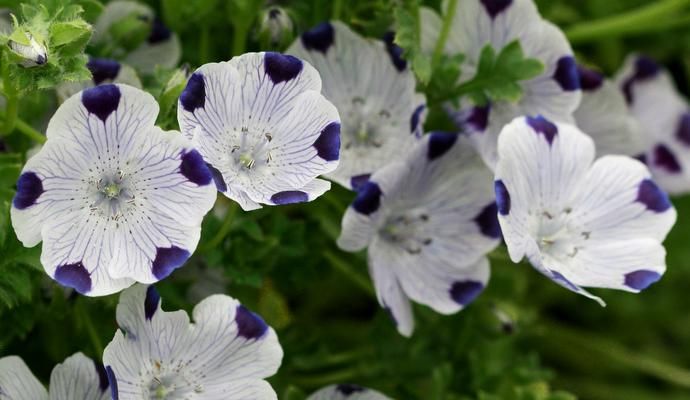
(408, 230)
(172, 384)
(362, 125)
(111, 190)
(109, 195)
(253, 150)
(557, 236)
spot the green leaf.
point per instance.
(408, 37)
(499, 75)
(57, 25)
(63, 33)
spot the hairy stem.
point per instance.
(445, 30)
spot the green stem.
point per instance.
(224, 229)
(337, 9)
(445, 30)
(345, 269)
(10, 93)
(621, 24)
(90, 329)
(605, 349)
(27, 130)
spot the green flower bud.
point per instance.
(29, 51)
(276, 26)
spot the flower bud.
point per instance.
(276, 26)
(31, 52)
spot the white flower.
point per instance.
(113, 198)
(103, 70)
(604, 115)
(477, 23)
(160, 48)
(374, 92)
(665, 118)
(427, 221)
(78, 377)
(580, 222)
(225, 354)
(346, 392)
(262, 124)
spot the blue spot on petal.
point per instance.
(495, 7)
(151, 302)
(415, 120)
(641, 279)
(74, 276)
(683, 131)
(440, 143)
(566, 74)
(464, 292)
(357, 181)
(478, 118)
(159, 32)
(101, 100)
(249, 325)
(487, 220)
(645, 68)
(666, 160)
(319, 38)
(194, 168)
(114, 392)
(102, 376)
(590, 79)
(652, 196)
(167, 260)
(103, 69)
(194, 94)
(290, 197)
(394, 51)
(218, 178)
(29, 189)
(502, 197)
(328, 143)
(348, 389)
(368, 198)
(281, 67)
(543, 126)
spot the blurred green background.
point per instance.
(525, 338)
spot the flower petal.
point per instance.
(382, 114)
(17, 382)
(79, 377)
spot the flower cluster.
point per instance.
(115, 200)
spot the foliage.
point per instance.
(524, 339)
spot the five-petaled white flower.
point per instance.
(346, 391)
(555, 93)
(375, 94)
(114, 198)
(160, 48)
(225, 354)
(428, 221)
(262, 125)
(580, 222)
(604, 114)
(665, 118)
(103, 70)
(78, 377)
